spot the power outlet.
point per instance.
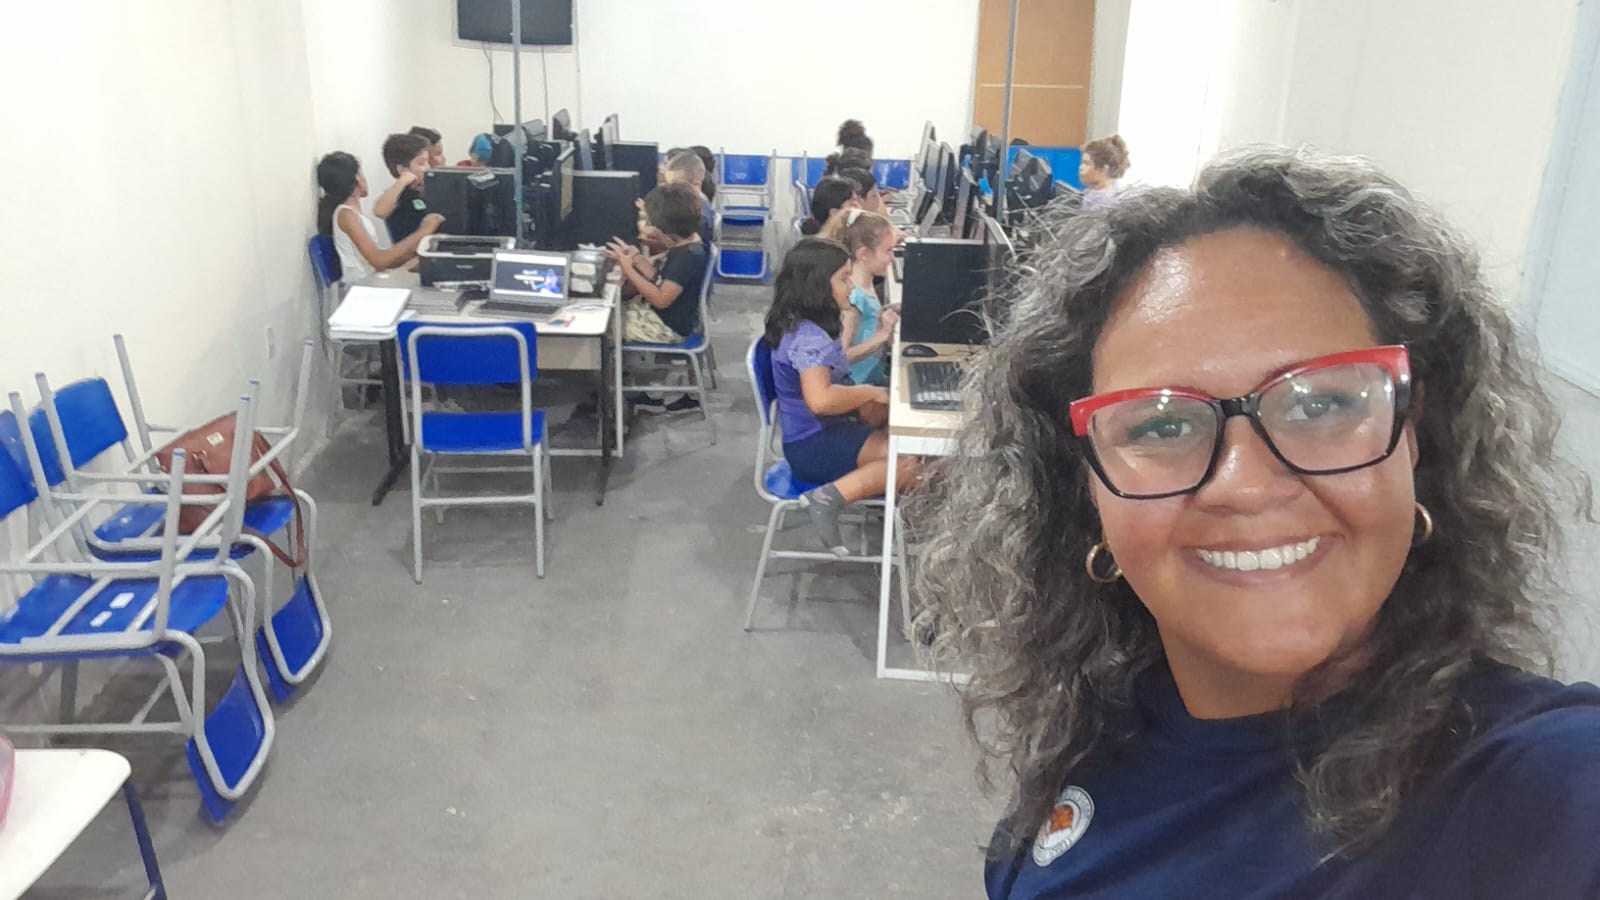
(272, 344)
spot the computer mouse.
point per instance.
(918, 351)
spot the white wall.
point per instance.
(1105, 77)
(1458, 105)
(748, 76)
(170, 147)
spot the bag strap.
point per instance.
(299, 559)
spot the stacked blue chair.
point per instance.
(776, 484)
(75, 608)
(892, 174)
(78, 424)
(349, 365)
(474, 355)
(744, 208)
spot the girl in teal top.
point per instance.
(868, 329)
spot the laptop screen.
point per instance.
(529, 277)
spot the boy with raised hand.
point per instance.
(402, 206)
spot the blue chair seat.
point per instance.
(781, 483)
(265, 516)
(477, 432)
(195, 601)
(692, 343)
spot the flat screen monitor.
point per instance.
(928, 160)
(637, 156)
(963, 216)
(532, 277)
(565, 167)
(608, 135)
(949, 183)
(561, 126)
(603, 208)
(544, 22)
(501, 129)
(585, 152)
(944, 292)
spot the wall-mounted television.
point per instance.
(544, 22)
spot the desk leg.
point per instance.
(394, 428)
(147, 848)
(891, 503)
(610, 417)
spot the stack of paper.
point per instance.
(368, 313)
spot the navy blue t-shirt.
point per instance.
(685, 265)
(1210, 809)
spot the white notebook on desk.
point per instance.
(368, 312)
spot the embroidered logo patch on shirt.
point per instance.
(1065, 826)
(420, 205)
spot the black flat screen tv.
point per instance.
(544, 22)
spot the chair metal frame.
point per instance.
(424, 461)
(286, 675)
(328, 276)
(148, 633)
(692, 350)
(769, 466)
(745, 203)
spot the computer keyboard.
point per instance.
(934, 384)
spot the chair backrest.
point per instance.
(765, 388)
(16, 485)
(78, 423)
(713, 253)
(325, 260)
(746, 170)
(469, 354)
(894, 174)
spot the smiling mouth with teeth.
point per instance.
(1266, 560)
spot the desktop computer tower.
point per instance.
(941, 295)
(603, 208)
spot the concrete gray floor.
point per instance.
(608, 731)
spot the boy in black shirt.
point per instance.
(665, 306)
(402, 205)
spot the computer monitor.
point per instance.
(534, 280)
(927, 165)
(565, 167)
(561, 126)
(1032, 183)
(535, 130)
(637, 156)
(944, 291)
(607, 136)
(949, 184)
(603, 208)
(473, 201)
(585, 151)
(501, 129)
(964, 216)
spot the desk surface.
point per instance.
(56, 794)
(903, 420)
(584, 317)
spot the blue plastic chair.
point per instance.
(75, 608)
(343, 372)
(474, 355)
(776, 483)
(695, 350)
(81, 422)
(744, 204)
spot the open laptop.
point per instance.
(532, 282)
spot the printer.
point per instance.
(454, 259)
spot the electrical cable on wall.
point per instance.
(544, 73)
(490, 60)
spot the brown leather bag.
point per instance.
(208, 450)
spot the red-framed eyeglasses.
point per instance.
(1324, 416)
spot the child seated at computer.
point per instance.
(867, 189)
(866, 328)
(339, 216)
(436, 157)
(831, 195)
(680, 167)
(402, 206)
(833, 434)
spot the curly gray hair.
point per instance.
(1055, 655)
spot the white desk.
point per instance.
(579, 340)
(56, 795)
(917, 432)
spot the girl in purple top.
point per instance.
(832, 428)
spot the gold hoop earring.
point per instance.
(1427, 526)
(1093, 557)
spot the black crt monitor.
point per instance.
(603, 208)
(473, 201)
(585, 151)
(637, 156)
(561, 126)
